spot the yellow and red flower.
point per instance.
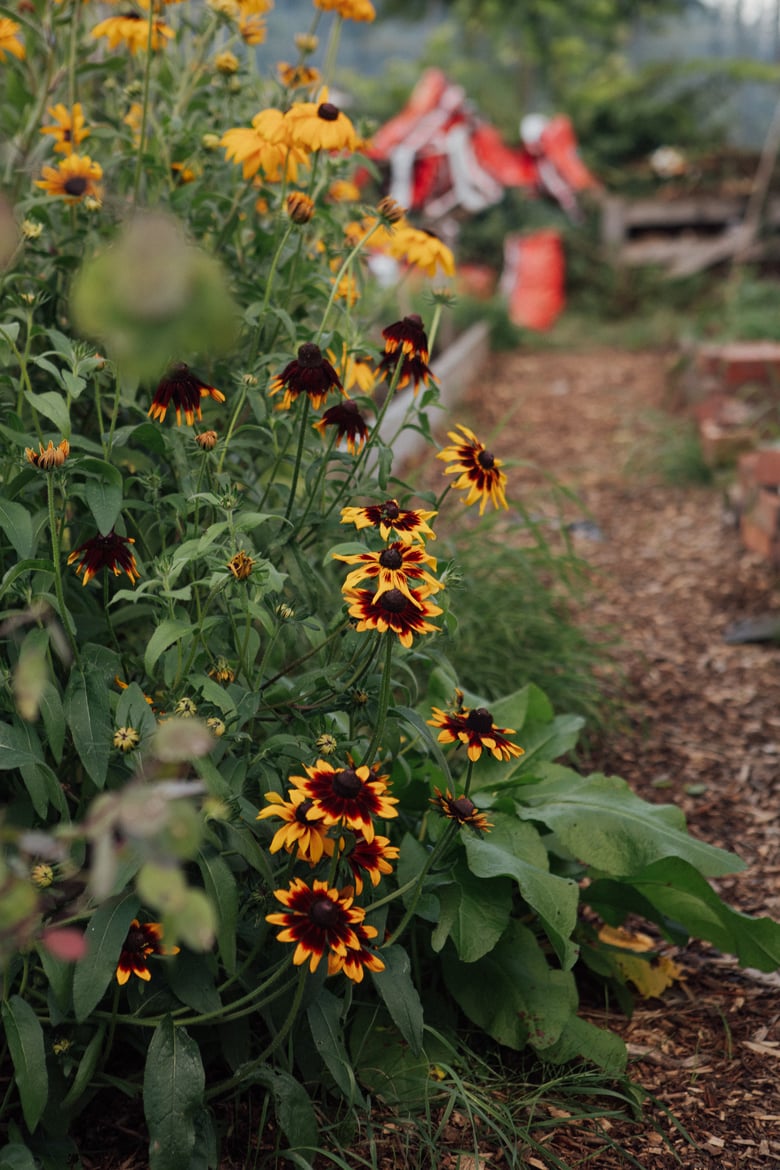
(69, 130)
(183, 390)
(460, 809)
(105, 552)
(356, 961)
(406, 524)
(393, 567)
(347, 796)
(310, 373)
(349, 423)
(318, 126)
(371, 857)
(406, 342)
(144, 939)
(304, 828)
(9, 39)
(319, 920)
(74, 178)
(403, 613)
(47, 458)
(477, 468)
(475, 728)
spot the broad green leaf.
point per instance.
(222, 888)
(53, 717)
(474, 913)
(16, 523)
(511, 850)
(170, 631)
(325, 1022)
(105, 935)
(387, 1067)
(604, 824)
(400, 996)
(9, 332)
(88, 715)
(15, 1156)
(512, 993)
(292, 1107)
(53, 407)
(173, 1094)
(191, 978)
(20, 748)
(59, 975)
(31, 673)
(24, 1036)
(103, 492)
(582, 1040)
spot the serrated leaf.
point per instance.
(88, 715)
(174, 1081)
(325, 1023)
(105, 935)
(400, 996)
(24, 1036)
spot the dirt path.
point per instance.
(703, 728)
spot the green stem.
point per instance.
(469, 774)
(55, 555)
(298, 455)
(438, 850)
(359, 246)
(145, 108)
(309, 654)
(333, 48)
(384, 703)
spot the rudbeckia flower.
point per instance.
(477, 468)
(9, 39)
(423, 249)
(304, 828)
(105, 552)
(257, 148)
(69, 131)
(406, 342)
(298, 76)
(241, 565)
(476, 729)
(371, 857)
(319, 126)
(393, 568)
(74, 178)
(183, 390)
(49, 457)
(132, 30)
(347, 796)
(349, 423)
(143, 940)
(403, 613)
(354, 962)
(310, 373)
(318, 920)
(348, 9)
(344, 191)
(408, 525)
(460, 809)
(252, 30)
(355, 372)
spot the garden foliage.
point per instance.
(256, 836)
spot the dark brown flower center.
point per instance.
(324, 912)
(393, 601)
(309, 355)
(347, 783)
(327, 111)
(479, 720)
(66, 135)
(136, 941)
(463, 808)
(302, 811)
(486, 460)
(76, 185)
(415, 319)
(390, 558)
(390, 510)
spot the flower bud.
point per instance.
(300, 207)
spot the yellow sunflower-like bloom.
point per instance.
(132, 30)
(9, 40)
(69, 130)
(477, 469)
(355, 372)
(304, 828)
(348, 9)
(319, 126)
(255, 7)
(74, 178)
(344, 191)
(260, 148)
(298, 76)
(421, 248)
(252, 30)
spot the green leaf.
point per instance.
(510, 849)
(105, 935)
(24, 1036)
(53, 717)
(16, 523)
(173, 1094)
(15, 1156)
(222, 889)
(400, 996)
(292, 1107)
(88, 715)
(20, 748)
(582, 1040)
(600, 821)
(192, 980)
(474, 913)
(103, 492)
(407, 715)
(53, 407)
(325, 1022)
(512, 994)
(170, 631)
(85, 1069)
(387, 1067)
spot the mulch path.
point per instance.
(702, 727)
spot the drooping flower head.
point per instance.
(406, 342)
(9, 39)
(477, 468)
(259, 148)
(68, 130)
(318, 919)
(356, 961)
(318, 126)
(408, 525)
(310, 373)
(348, 422)
(74, 178)
(132, 31)
(304, 828)
(372, 858)
(423, 249)
(348, 796)
(105, 552)
(475, 728)
(399, 566)
(183, 390)
(49, 457)
(348, 9)
(403, 613)
(460, 809)
(144, 939)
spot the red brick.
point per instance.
(739, 362)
